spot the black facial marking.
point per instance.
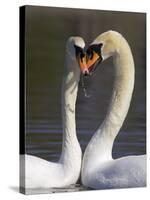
(79, 52)
(97, 49)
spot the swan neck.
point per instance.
(122, 89)
(100, 147)
(69, 95)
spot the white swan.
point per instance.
(99, 169)
(40, 173)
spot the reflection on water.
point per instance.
(46, 33)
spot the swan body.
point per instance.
(99, 169)
(40, 173)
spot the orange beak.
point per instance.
(83, 65)
(92, 61)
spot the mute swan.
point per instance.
(40, 173)
(99, 169)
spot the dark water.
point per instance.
(46, 33)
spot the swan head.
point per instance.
(75, 50)
(101, 48)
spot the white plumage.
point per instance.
(99, 169)
(40, 173)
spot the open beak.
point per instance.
(83, 64)
(93, 61)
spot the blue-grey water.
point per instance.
(46, 33)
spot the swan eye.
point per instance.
(96, 48)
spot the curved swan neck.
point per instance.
(100, 146)
(69, 95)
(123, 86)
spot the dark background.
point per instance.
(46, 32)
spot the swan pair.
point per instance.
(98, 169)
